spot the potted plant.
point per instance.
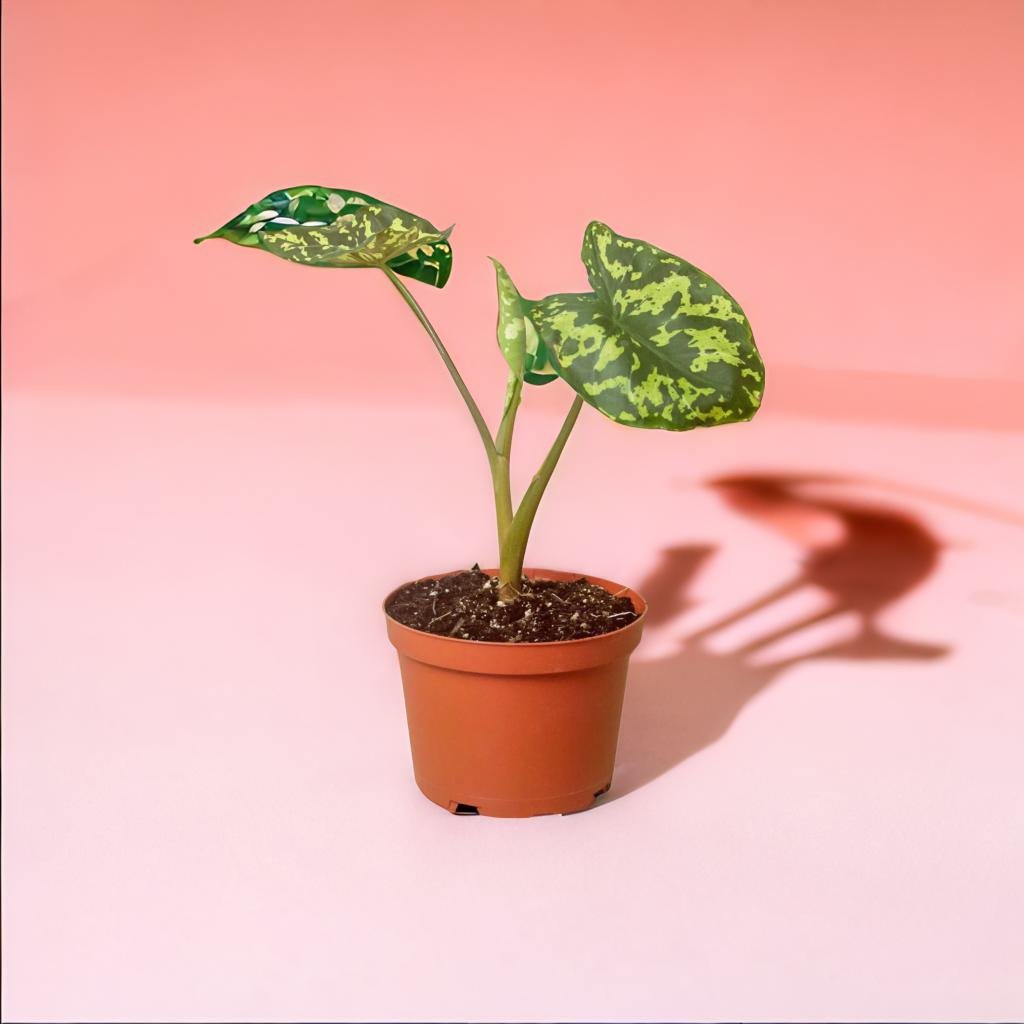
(514, 679)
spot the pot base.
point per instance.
(572, 803)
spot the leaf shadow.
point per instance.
(682, 703)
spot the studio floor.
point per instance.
(209, 810)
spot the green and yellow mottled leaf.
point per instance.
(336, 227)
(518, 340)
(657, 344)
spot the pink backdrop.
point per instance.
(848, 170)
(208, 807)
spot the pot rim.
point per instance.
(505, 645)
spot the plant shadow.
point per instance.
(874, 555)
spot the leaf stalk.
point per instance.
(514, 525)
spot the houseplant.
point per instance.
(514, 681)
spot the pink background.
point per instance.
(216, 465)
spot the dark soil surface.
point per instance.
(466, 606)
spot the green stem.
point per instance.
(467, 397)
(513, 528)
(513, 547)
(500, 468)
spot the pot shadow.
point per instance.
(872, 556)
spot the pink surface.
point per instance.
(208, 804)
(209, 811)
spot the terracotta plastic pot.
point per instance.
(513, 730)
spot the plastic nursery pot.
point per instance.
(513, 730)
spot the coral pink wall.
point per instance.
(849, 170)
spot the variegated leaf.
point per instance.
(657, 343)
(336, 227)
(523, 350)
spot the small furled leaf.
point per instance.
(511, 322)
(522, 348)
(336, 227)
(657, 344)
(539, 368)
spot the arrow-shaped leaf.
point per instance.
(336, 227)
(657, 343)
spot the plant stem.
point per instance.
(467, 397)
(500, 466)
(513, 527)
(513, 546)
